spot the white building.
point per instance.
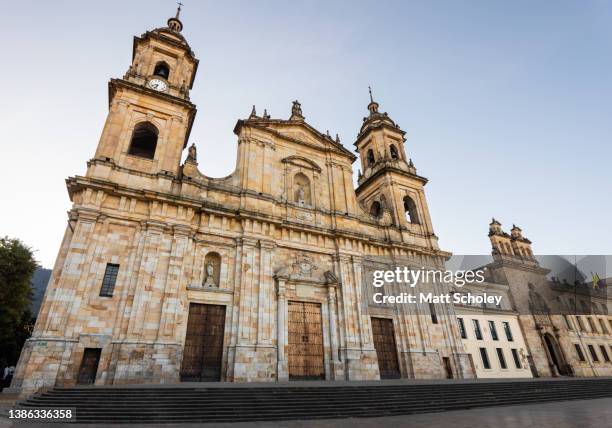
(492, 335)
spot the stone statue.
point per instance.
(296, 111)
(192, 153)
(210, 275)
(301, 196)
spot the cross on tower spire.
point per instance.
(373, 106)
(175, 23)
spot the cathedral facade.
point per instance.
(167, 275)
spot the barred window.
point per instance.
(579, 352)
(508, 331)
(604, 352)
(462, 331)
(502, 359)
(593, 353)
(568, 323)
(604, 328)
(110, 278)
(493, 330)
(485, 358)
(477, 331)
(515, 357)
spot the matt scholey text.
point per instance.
(458, 299)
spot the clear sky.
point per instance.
(507, 105)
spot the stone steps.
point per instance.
(240, 404)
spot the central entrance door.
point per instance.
(89, 366)
(305, 341)
(386, 351)
(203, 343)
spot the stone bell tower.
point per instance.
(389, 188)
(150, 114)
(510, 245)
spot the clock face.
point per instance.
(158, 85)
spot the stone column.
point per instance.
(282, 369)
(174, 279)
(337, 369)
(145, 277)
(247, 327)
(265, 322)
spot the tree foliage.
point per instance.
(17, 264)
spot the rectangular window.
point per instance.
(502, 359)
(604, 328)
(485, 358)
(432, 311)
(462, 331)
(110, 278)
(593, 353)
(568, 323)
(477, 331)
(580, 323)
(592, 325)
(604, 353)
(493, 330)
(508, 331)
(579, 352)
(516, 358)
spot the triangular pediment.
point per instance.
(298, 132)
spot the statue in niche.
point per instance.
(192, 153)
(210, 275)
(301, 195)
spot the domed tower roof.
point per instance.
(375, 119)
(173, 30)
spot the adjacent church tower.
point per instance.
(150, 115)
(390, 189)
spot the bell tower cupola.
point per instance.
(388, 181)
(150, 113)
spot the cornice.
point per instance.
(383, 170)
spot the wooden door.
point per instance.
(386, 351)
(305, 341)
(448, 367)
(203, 350)
(89, 366)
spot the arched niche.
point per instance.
(212, 270)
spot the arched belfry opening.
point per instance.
(162, 70)
(370, 157)
(376, 209)
(394, 152)
(144, 140)
(410, 210)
